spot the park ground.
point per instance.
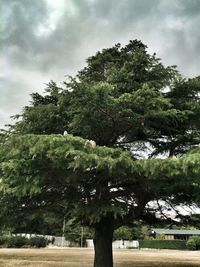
(71, 257)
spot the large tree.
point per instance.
(135, 110)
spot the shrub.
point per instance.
(3, 240)
(193, 243)
(15, 241)
(38, 242)
(20, 241)
(163, 244)
(160, 237)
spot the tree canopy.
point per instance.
(130, 125)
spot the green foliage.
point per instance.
(13, 241)
(123, 233)
(38, 242)
(3, 240)
(70, 157)
(127, 233)
(30, 163)
(160, 237)
(20, 241)
(15, 216)
(162, 244)
(16, 241)
(74, 232)
(44, 115)
(134, 231)
(120, 98)
(136, 110)
(193, 243)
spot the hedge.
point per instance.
(162, 244)
(15, 242)
(19, 242)
(38, 242)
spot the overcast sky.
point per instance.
(48, 39)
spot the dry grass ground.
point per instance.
(84, 257)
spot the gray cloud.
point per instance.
(40, 42)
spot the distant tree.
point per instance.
(135, 110)
(76, 233)
(128, 233)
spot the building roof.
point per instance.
(175, 232)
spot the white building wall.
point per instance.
(117, 243)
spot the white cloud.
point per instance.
(55, 13)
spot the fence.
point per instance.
(117, 243)
(59, 241)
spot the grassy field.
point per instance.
(83, 258)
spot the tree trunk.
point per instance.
(103, 244)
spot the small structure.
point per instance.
(173, 234)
